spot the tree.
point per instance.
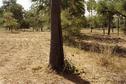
(76, 7)
(106, 9)
(14, 8)
(17, 11)
(9, 21)
(56, 60)
(56, 51)
(122, 11)
(41, 10)
(91, 5)
(76, 11)
(37, 20)
(72, 17)
(1, 16)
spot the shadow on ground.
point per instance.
(99, 44)
(74, 78)
(101, 38)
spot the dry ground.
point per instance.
(24, 60)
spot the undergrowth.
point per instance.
(70, 68)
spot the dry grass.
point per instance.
(24, 60)
(100, 31)
(98, 68)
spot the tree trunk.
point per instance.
(118, 25)
(91, 23)
(56, 51)
(41, 29)
(109, 24)
(124, 30)
(103, 30)
(112, 30)
(125, 23)
(112, 27)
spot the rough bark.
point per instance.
(125, 23)
(56, 51)
(91, 22)
(118, 25)
(103, 30)
(109, 24)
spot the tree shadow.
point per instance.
(74, 78)
(101, 38)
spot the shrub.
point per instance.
(71, 25)
(9, 21)
(70, 68)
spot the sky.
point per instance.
(25, 3)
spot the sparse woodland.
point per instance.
(63, 42)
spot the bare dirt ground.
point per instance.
(24, 60)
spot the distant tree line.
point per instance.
(103, 14)
(110, 14)
(12, 14)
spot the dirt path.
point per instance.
(24, 60)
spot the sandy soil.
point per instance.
(24, 60)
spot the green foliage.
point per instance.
(37, 20)
(72, 14)
(24, 24)
(1, 16)
(91, 5)
(71, 25)
(76, 7)
(70, 68)
(40, 5)
(10, 6)
(1, 20)
(9, 21)
(17, 11)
